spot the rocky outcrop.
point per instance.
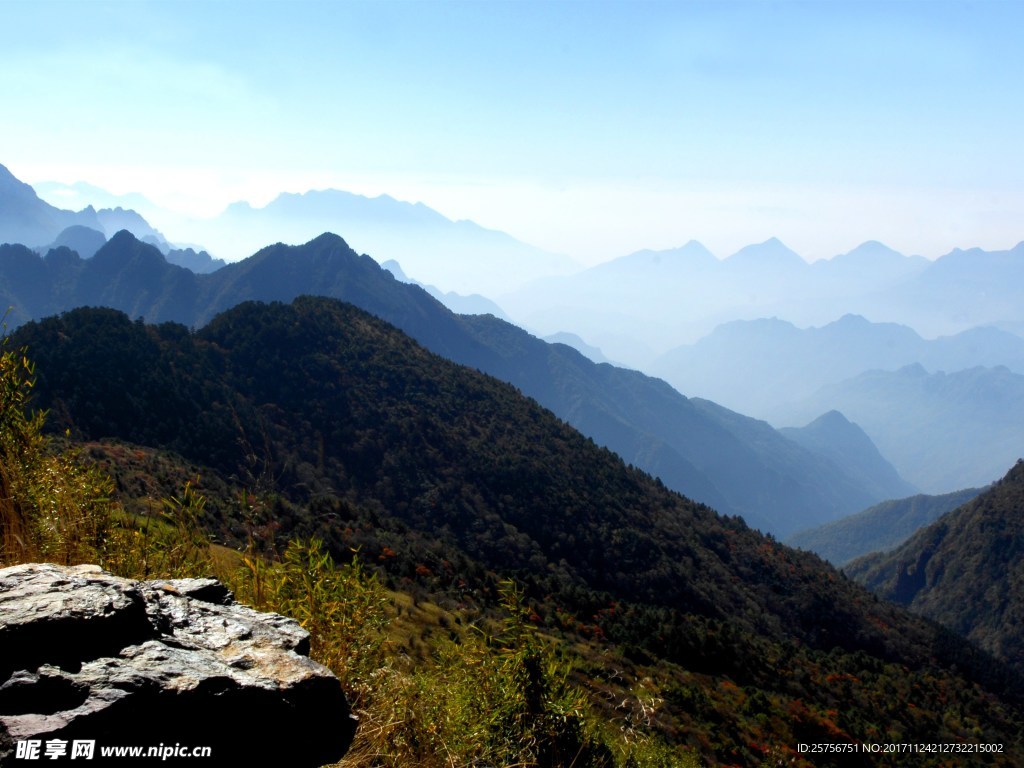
(89, 657)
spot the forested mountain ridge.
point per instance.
(879, 528)
(737, 464)
(332, 408)
(964, 571)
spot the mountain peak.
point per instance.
(329, 239)
(772, 252)
(831, 418)
(914, 370)
(123, 237)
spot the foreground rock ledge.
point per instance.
(88, 656)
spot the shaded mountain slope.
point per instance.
(881, 528)
(322, 403)
(754, 471)
(326, 266)
(738, 465)
(965, 571)
(834, 436)
(322, 398)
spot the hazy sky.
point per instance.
(588, 128)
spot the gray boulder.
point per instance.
(174, 665)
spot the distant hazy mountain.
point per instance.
(631, 307)
(965, 570)
(647, 303)
(571, 339)
(199, 262)
(960, 290)
(81, 195)
(866, 266)
(880, 528)
(832, 435)
(116, 219)
(942, 431)
(84, 241)
(455, 256)
(26, 219)
(731, 462)
(474, 304)
(762, 366)
(463, 258)
(771, 258)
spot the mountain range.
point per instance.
(640, 306)
(785, 364)
(781, 362)
(347, 425)
(26, 219)
(735, 463)
(457, 481)
(946, 412)
(942, 431)
(461, 257)
(456, 256)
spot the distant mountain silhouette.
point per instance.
(199, 262)
(572, 340)
(734, 463)
(84, 241)
(832, 435)
(965, 570)
(942, 431)
(880, 528)
(784, 364)
(80, 194)
(867, 265)
(642, 305)
(768, 259)
(26, 219)
(116, 219)
(474, 304)
(458, 256)
(960, 290)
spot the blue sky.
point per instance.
(588, 128)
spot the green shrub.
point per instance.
(52, 506)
